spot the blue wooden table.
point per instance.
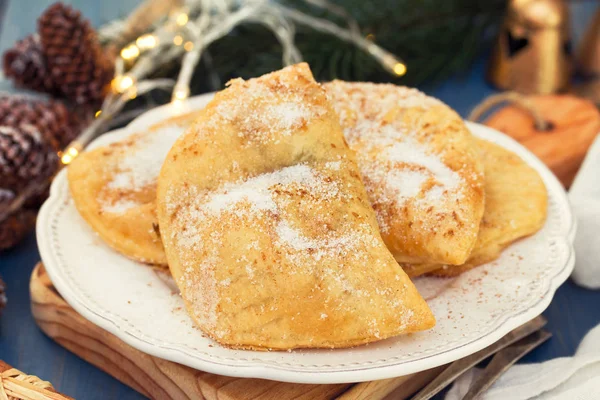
(571, 314)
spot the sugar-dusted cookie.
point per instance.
(268, 229)
(114, 189)
(421, 168)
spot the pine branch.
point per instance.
(436, 38)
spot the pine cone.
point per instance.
(2, 295)
(25, 155)
(52, 118)
(75, 58)
(25, 63)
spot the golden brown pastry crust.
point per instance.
(114, 189)
(268, 229)
(420, 166)
(516, 206)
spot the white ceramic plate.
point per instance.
(474, 310)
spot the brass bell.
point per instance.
(533, 50)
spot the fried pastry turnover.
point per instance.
(114, 189)
(515, 206)
(421, 168)
(268, 229)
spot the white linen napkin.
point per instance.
(577, 377)
(572, 378)
(585, 201)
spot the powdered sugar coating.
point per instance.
(405, 169)
(267, 225)
(119, 207)
(406, 172)
(409, 155)
(139, 166)
(251, 202)
(281, 118)
(142, 164)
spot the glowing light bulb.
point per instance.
(122, 83)
(180, 94)
(132, 92)
(399, 69)
(181, 19)
(147, 41)
(177, 40)
(130, 52)
(66, 159)
(188, 46)
(69, 154)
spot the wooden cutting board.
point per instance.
(156, 378)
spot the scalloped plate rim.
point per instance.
(283, 371)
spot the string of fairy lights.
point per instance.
(186, 33)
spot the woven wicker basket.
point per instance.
(16, 385)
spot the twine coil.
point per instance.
(541, 124)
(16, 385)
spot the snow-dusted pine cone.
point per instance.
(25, 64)
(76, 61)
(25, 155)
(51, 117)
